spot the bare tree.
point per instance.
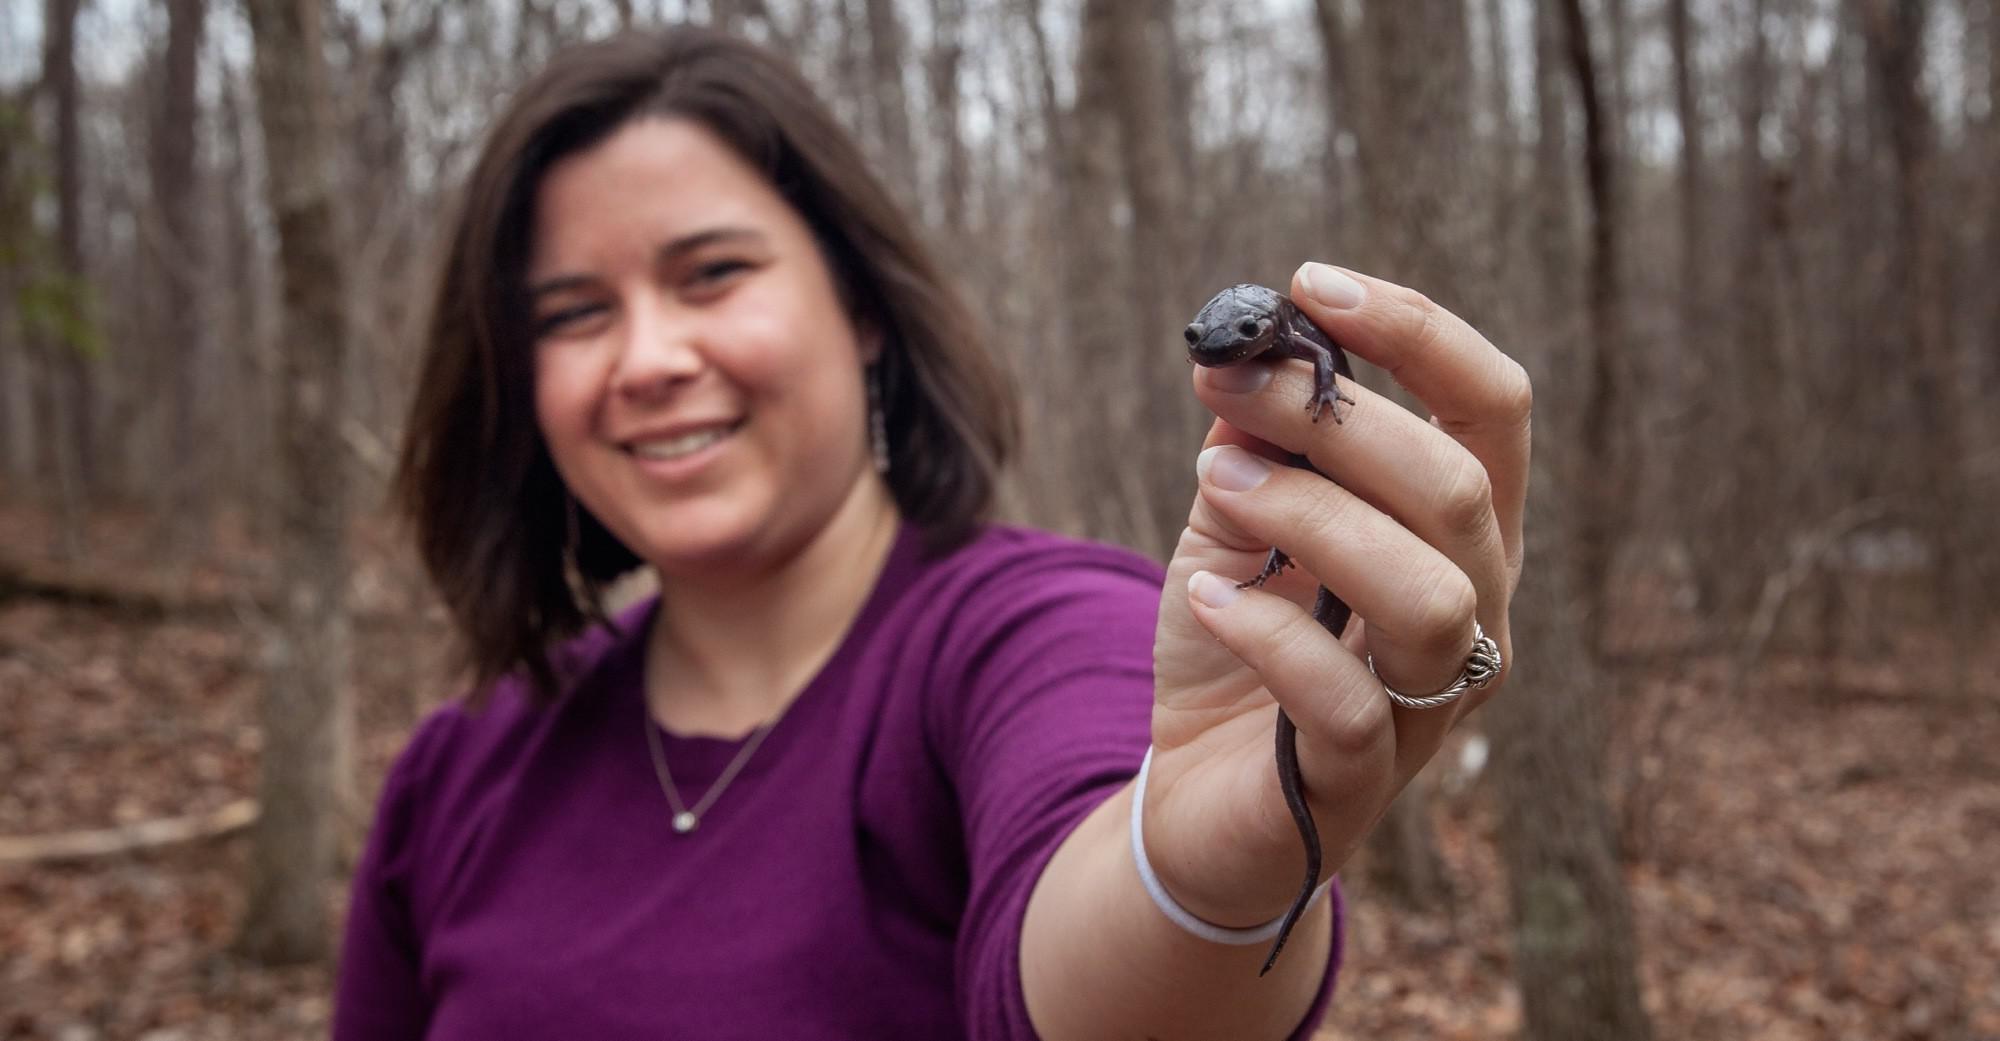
(1607, 493)
(1342, 114)
(1121, 195)
(891, 102)
(19, 245)
(1985, 374)
(1894, 31)
(176, 266)
(1414, 114)
(62, 402)
(248, 424)
(1618, 77)
(1575, 949)
(943, 66)
(1754, 366)
(307, 717)
(1695, 335)
(1151, 136)
(1992, 13)
(1504, 144)
(1095, 306)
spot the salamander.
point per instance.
(1246, 323)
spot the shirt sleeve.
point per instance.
(379, 995)
(1052, 716)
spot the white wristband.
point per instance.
(1180, 915)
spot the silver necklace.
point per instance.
(685, 819)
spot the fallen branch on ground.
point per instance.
(129, 838)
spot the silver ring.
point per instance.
(1480, 667)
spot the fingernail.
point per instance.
(1239, 379)
(1231, 469)
(1331, 287)
(1212, 590)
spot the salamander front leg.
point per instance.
(1273, 564)
(1326, 362)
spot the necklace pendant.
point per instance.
(685, 822)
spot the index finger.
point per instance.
(1478, 395)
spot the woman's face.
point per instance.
(697, 379)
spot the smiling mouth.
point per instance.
(664, 448)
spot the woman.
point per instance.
(865, 768)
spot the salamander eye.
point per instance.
(1249, 326)
(1192, 333)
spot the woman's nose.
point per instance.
(657, 351)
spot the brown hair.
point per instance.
(490, 512)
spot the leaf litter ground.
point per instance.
(1817, 860)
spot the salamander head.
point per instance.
(1240, 323)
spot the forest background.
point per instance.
(1742, 784)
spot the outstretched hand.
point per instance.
(1415, 524)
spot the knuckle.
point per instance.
(1430, 323)
(1467, 497)
(1360, 731)
(1446, 613)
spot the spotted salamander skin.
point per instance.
(1247, 323)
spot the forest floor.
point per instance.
(1817, 861)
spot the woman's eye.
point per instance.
(557, 319)
(717, 270)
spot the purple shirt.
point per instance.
(865, 875)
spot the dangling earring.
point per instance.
(579, 590)
(878, 425)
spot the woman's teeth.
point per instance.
(675, 447)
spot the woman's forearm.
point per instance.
(1099, 961)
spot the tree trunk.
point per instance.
(1575, 951)
(1106, 369)
(1051, 469)
(1419, 164)
(1505, 146)
(1984, 378)
(891, 101)
(1056, 149)
(1342, 117)
(1617, 82)
(1602, 520)
(1157, 269)
(1171, 67)
(248, 424)
(18, 377)
(1894, 31)
(177, 266)
(947, 54)
(1684, 438)
(1680, 34)
(63, 402)
(1752, 522)
(307, 713)
(1992, 236)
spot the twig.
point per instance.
(1780, 585)
(1641, 797)
(128, 838)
